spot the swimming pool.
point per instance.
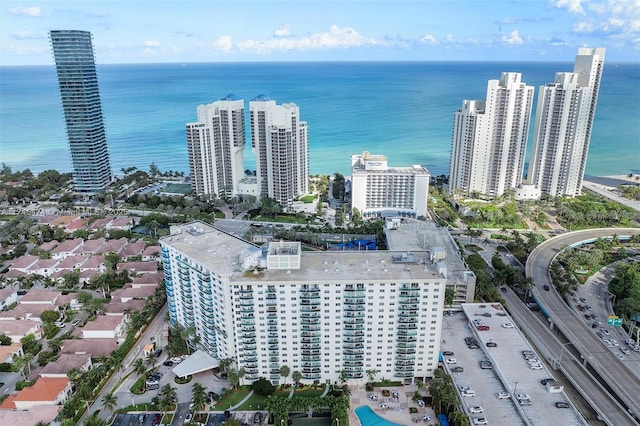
(368, 418)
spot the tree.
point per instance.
(449, 296)
(371, 374)
(241, 373)
(95, 420)
(154, 170)
(109, 401)
(284, 372)
(49, 316)
(296, 376)
(5, 340)
(23, 363)
(263, 387)
(232, 376)
(198, 396)
(138, 367)
(225, 364)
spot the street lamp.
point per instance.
(564, 345)
(515, 388)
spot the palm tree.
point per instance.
(94, 420)
(371, 374)
(198, 396)
(225, 364)
(296, 376)
(284, 372)
(138, 367)
(150, 359)
(241, 373)
(232, 376)
(109, 401)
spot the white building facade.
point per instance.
(324, 314)
(489, 138)
(376, 187)
(564, 120)
(215, 146)
(279, 141)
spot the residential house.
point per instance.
(26, 312)
(151, 279)
(93, 246)
(67, 248)
(105, 327)
(151, 253)
(45, 391)
(44, 267)
(7, 353)
(133, 249)
(95, 347)
(23, 263)
(117, 307)
(139, 267)
(65, 363)
(17, 329)
(113, 246)
(42, 296)
(123, 223)
(128, 293)
(7, 297)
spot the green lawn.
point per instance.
(309, 392)
(177, 188)
(232, 399)
(308, 199)
(254, 402)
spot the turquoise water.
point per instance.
(368, 418)
(401, 109)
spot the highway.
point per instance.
(624, 382)
(548, 345)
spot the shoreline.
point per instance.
(612, 180)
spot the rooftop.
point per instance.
(103, 322)
(65, 363)
(40, 295)
(44, 389)
(94, 347)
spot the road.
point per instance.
(153, 329)
(623, 381)
(549, 345)
(606, 192)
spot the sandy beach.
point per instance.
(613, 181)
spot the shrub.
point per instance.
(263, 387)
(21, 384)
(5, 367)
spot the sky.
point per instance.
(162, 31)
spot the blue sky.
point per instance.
(136, 31)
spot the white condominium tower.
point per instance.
(376, 187)
(325, 314)
(215, 145)
(489, 138)
(279, 141)
(564, 119)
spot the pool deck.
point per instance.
(398, 412)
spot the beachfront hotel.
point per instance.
(215, 147)
(325, 314)
(489, 138)
(377, 188)
(562, 132)
(279, 141)
(78, 82)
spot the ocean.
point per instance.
(403, 110)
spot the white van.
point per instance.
(468, 392)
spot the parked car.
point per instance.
(561, 404)
(502, 395)
(469, 392)
(188, 418)
(476, 410)
(507, 325)
(480, 421)
(447, 353)
(457, 370)
(492, 345)
(450, 360)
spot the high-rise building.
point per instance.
(562, 132)
(279, 141)
(324, 314)
(78, 81)
(376, 187)
(215, 146)
(489, 138)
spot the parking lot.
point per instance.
(486, 348)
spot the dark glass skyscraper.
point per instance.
(78, 81)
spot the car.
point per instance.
(486, 365)
(168, 363)
(525, 402)
(447, 353)
(535, 367)
(463, 388)
(587, 316)
(480, 421)
(614, 342)
(620, 356)
(141, 418)
(158, 353)
(625, 351)
(546, 287)
(483, 328)
(629, 342)
(503, 289)
(188, 418)
(492, 345)
(605, 331)
(59, 324)
(469, 392)
(608, 343)
(473, 346)
(520, 396)
(561, 404)
(502, 395)
(476, 410)
(75, 322)
(156, 419)
(450, 360)
(457, 370)
(544, 382)
(507, 325)
(176, 360)
(468, 340)
(257, 417)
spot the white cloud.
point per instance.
(151, 43)
(428, 39)
(573, 6)
(335, 38)
(224, 43)
(26, 11)
(25, 35)
(283, 31)
(512, 38)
